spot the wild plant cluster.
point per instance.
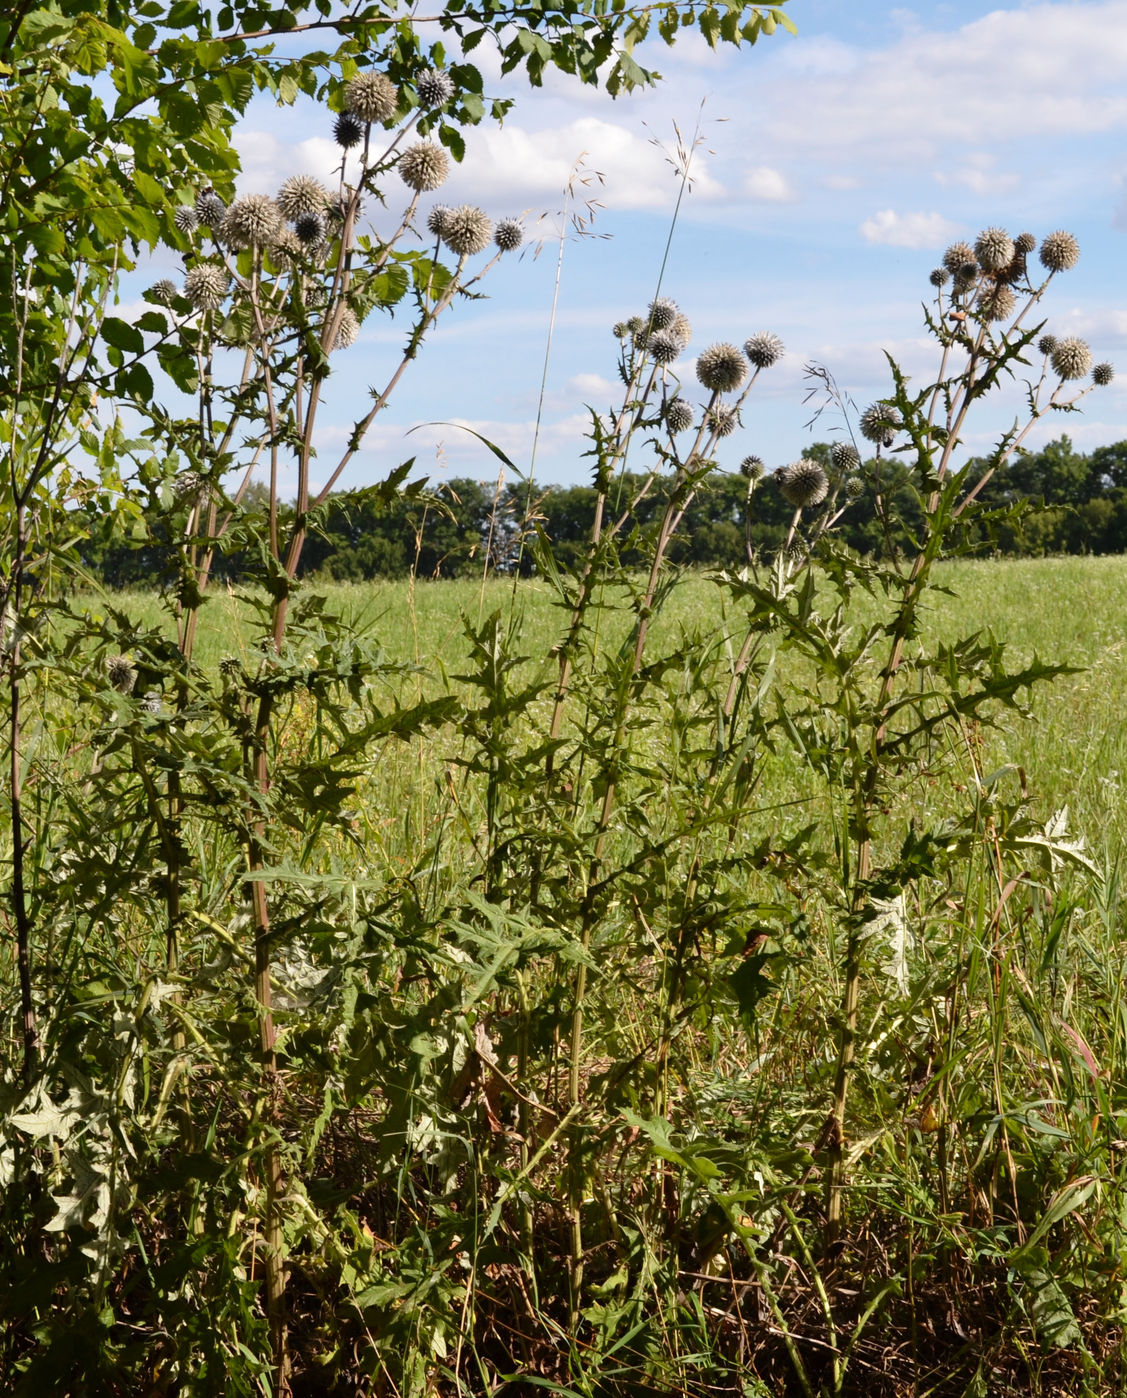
(611, 1017)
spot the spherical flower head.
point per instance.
(508, 235)
(434, 88)
(636, 326)
(438, 218)
(121, 674)
(966, 277)
(664, 347)
(854, 487)
(804, 484)
(301, 195)
(1072, 358)
(1102, 375)
(423, 166)
(189, 488)
(348, 131)
(939, 277)
(230, 667)
(682, 328)
(1025, 243)
(285, 247)
(752, 469)
(1046, 344)
(763, 349)
(996, 302)
(371, 97)
(993, 249)
(310, 228)
(210, 208)
(186, 219)
(721, 368)
(620, 330)
(956, 256)
(251, 222)
(678, 416)
(1060, 251)
(880, 423)
(205, 286)
(845, 456)
(468, 231)
(663, 312)
(347, 330)
(722, 421)
(163, 292)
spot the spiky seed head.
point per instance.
(664, 347)
(301, 195)
(966, 277)
(636, 325)
(189, 488)
(993, 249)
(348, 130)
(763, 349)
(879, 423)
(468, 231)
(1072, 358)
(371, 97)
(956, 256)
(251, 222)
(230, 666)
(210, 208)
(723, 421)
(996, 302)
(423, 166)
(285, 247)
(1060, 251)
(205, 286)
(310, 228)
(721, 368)
(939, 276)
(1102, 375)
(678, 416)
(347, 330)
(508, 234)
(662, 313)
(163, 292)
(438, 218)
(434, 88)
(641, 338)
(620, 330)
(845, 456)
(1046, 344)
(682, 328)
(1025, 243)
(186, 219)
(121, 673)
(804, 484)
(854, 487)
(752, 468)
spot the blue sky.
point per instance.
(833, 170)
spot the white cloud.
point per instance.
(979, 175)
(772, 186)
(908, 230)
(842, 182)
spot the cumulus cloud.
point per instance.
(908, 230)
(772, 186)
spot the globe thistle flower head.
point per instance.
(763, 349)
(956, 256)
(251, 222)
(1102, 375)
(993, 249)
(285, 247)
(348, 131)
(508, 235)
(423, 166)
(205, 286)
(854, 487)
(186, 219)
(620, 330)
(996, 302)
(434, 88)
(845, 457)
(721, 368)
(1046, 344)
(722, 421)
(438, 218)
(664, 347)
(121, 673)
(1059, 251)
(371, 97)
(682, 328)
(804, 484)
(752, 469)
(879, 423)
(467, 231)
(210, 208)
(310, 228)
(678, 416)
(189, 488)
(1025, 243)
(966, 277)
(939, 276)
(636, 326)
(662, 313)
(1072, 358)
(348, 327)
(230, 666)
(163, 292)
(302, 195)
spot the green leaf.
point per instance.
(122, 335)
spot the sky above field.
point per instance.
(830, 172)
